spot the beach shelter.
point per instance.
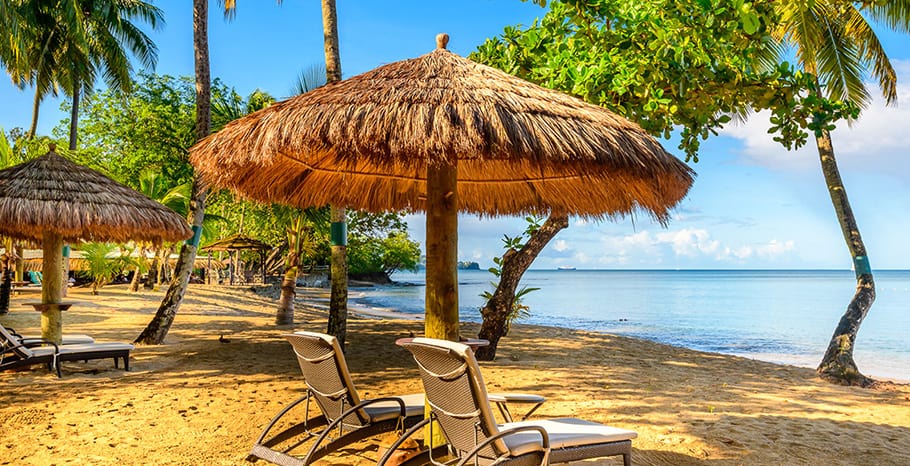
(51, 200)
(442, 134)
(236, 243)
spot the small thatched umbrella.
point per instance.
(239, 242)
(442, 134)
(52, 200)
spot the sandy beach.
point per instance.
(198, 400)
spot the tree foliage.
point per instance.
(692, 65)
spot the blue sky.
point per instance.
(753, 205)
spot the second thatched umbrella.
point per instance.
(51, 200)
(442, 134)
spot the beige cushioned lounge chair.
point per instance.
(458, 399)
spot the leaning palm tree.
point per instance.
(109, 33)
(338, 303)
(835, 43)
(157, 329)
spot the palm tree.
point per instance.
(338, 303)
(299, 232)
(108, 33)
(834, 42)
(157, 329)
(64, 45)
(105, 260)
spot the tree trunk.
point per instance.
(6, 279)
(6, 286)
(837, 364)
(157, 329)
(285, 314)
(35, 106)
(338, 304)
(74, 116)
(152, 279)
(514, 264)
(134, 283)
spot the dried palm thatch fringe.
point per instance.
(366, 142)
(52, 194)
(236, 242)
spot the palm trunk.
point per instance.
(74, 117)
(134, 283)
(837, 364)
(157, 329)
(35, 106)
(514, 264)
(6, 278)
(285, 314)
(338, 304)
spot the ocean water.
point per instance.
(782, 316)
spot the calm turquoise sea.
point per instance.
(782, 316)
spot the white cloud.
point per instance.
(560, 245)
(689, 242)
(876, 142)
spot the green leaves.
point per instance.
(689, 66)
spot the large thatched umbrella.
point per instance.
(442, 134)
(51, 200)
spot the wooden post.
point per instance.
(51, 287)
(442, 252)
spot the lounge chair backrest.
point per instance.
(10, 342)
(456, 393)
(326, 374)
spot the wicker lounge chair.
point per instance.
(344, 418)
(458, 400)
(343, 413)
(17, 354)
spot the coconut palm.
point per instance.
(299, 234)
(105, 261)
(64, 46)
(338, 303)
(157, 329)
(834, 42)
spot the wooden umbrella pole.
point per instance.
(52, 287)
(442, 252)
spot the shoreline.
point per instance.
(198, 400)
(785, 359)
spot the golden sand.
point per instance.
(197, 400)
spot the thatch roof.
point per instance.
(52, 194)
(366, 142)
(236, 242)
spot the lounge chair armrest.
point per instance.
(502, 400)
(33, 342)
(366, 403)
(281, 414)
(348, 412)
(545, 442)
(406, 435)
(29, 345)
